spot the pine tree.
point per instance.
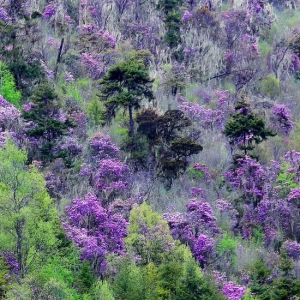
(245, 128)
(124, 86)
(49, 121)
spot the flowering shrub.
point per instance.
(206, 118)
(111, 175)
(4, 15)
(249, 176)
(292, 249)
(49, 11)
(233, 291)
(102, 147)
(94, 230)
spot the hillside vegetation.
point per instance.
(150, 150)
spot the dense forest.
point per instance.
(150, 149)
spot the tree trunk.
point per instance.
(19, 233)
(58, 57)
(131, 122)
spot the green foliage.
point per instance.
(270, 86)
(227, 247)
(28, 216)
(45, 113)
(25, 72)
(71, 91)
(129, 283)
(169, 5)
(245, 128)
(100, 290)
(7, 86)
(124, 86)
(265, 48)
(169, 142)
(85, 278)
(282, 287)
(286, 180)
(4, 283)
(195, 173)
(95, 112)
(172, 22)
(148, 234)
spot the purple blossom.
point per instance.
(295, 62)
(112, 175)
(207, 118)
(55, 43)
(49, 73)
(78, 117)
(71, 145)
(196, 192)
(222, 98)
(188, 51)
(294, 194)
(283, 117)
(102, 147)
(85, 171)
(110, 38)
(186, 16)
(69, 77)
(94, 66)
(204, 169)
(233, 291)
(4, 15)
(27, 107)
(292, 249)
(223, 205)
(104, 38)
(248, 176)
(200, 214)
(10, 261)
(202, 247)
(194, 227)
(68, 19)
(49, 11)
(9, 119)
(94, 230)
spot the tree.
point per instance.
(48, 121)
(125, 86)
(170, 141)
(8, 86)
(27, 212)
(245, 128)
(149, 235)
(95, 231)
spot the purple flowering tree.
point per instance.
(95, 231)
(205, 118)
(292, 249)
(4, 17)
(9, 122)
(104, 171)
(196, 228)
(230, 289)
(111, 179)
(282, 119)
(233, 291)
(249, 176)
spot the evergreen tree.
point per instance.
(49, 122)
(124, 86)
(245, 128)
